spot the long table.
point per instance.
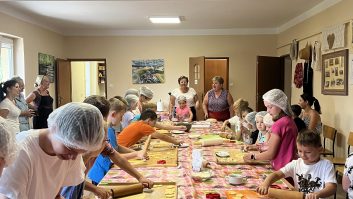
(181, 175)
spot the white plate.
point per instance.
(177, 132)
(222, 154)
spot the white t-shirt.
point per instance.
(310, 178)
(127, 118)
(12, 117)
(348, 171)
(189, 96)
(36, 174)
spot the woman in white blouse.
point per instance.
(8, 109)
(191, 97)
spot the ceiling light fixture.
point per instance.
(160, 19)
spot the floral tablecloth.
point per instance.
(187, 187)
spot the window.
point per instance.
(6, 59)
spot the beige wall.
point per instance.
(78, 87)
(337, 111)
(35, 40)
(175, 50)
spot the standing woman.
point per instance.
(42, 101)
(9, 90)
(192, 101)
(218, 102)
(311, 117)
(21, 103)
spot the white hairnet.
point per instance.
(260, 114)
(268, 121)
(8, 146)
(144, 90)
(131, 99)
(78, 125)
(132, 91)
(278, 98)
(181, 98)
(250, 118)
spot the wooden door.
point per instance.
(269, 75)
(216, 67)
(63, 82)
(196, 81)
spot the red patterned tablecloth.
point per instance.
(187, 187)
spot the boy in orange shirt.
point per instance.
(144, 127)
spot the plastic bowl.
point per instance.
(186, 124)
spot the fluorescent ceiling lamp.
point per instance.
(165, 19)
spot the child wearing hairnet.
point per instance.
(51, 158)
(145, 95)
(8, 146)
(282, 143)
(106, 150)
(132, 101)
(183, 112)
(263, 134)
(250, 124)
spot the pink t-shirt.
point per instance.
(182, 113)
(287, 131)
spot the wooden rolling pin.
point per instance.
(127, 190)
(147, 145)
(280, 193)
(212, 142)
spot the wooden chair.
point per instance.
(329, 133)
(339, 171)
(341, 161)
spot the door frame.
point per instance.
(98, 60)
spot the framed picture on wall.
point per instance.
(46, 65)
(335, 73)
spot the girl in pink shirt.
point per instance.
(183, 112)
(282, 143)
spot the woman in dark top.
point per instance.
(297, 110)
(42, 101)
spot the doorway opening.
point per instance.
(80, 78)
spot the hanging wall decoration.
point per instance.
(47, 66)
(335, 73)
(333, 37)
(148, 71)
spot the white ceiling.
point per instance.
(130, 17)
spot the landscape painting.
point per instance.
(148, 71)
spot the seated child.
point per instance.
(250, 136)
(263, 135)
(268, 122)
(144, 127)
(103, 163)
(238, 134)
(183, 112)
(347, 179)
(106, 150)
(51, 158)
(132, 101)
(297, 110)
(153, 106)
(239, 106)
(312, 175)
